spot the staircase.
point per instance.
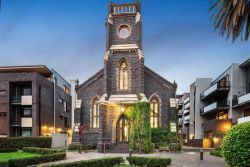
(119, 148)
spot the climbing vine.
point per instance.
(140, 131)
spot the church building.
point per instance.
(103, 98)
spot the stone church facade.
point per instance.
(105, 96)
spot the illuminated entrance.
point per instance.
(122, 130)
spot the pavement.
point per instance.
(183, 159)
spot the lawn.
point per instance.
(15, 155)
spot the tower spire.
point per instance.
(139, 5)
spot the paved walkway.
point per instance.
(184, 159)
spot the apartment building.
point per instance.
(216, 105)
(34, 101)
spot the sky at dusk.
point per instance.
(179, 41)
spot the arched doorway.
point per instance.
(122, 130)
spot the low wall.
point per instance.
(59, 140)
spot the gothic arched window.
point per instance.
(123, 76)
(95, 114)
(154, 113)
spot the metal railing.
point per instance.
(220, 85)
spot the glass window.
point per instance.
(123, 76)
(65, 106)
(95, 114)
(65, 122)
(26, 132)
(26, 91)
(27, 112)
(154, 106)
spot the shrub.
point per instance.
(149, 161)
(175, 147)
(83, 147)
(42, 150)
(104, 162)
(215, 153)
(36, 160)
(235, 147)
(162, 137)
(20, 142)
(7, 150)
(3, 163)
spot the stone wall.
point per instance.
(155, 85)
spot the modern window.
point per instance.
(27, 91)
(95, 114)
(64, 106)
(26, 132)
(154, 116)
(27, 112)
(2, 114)
(65, 122)
(123, 76)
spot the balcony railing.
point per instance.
(16, 100)
(16, 121)
(241, 99)
(180, 122)
(186, 100)
(215, 106)
(187, 106)
(243, 119)
(186, 112)
(216, 87)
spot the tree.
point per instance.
(231, 17)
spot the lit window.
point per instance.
(65, 89)
(95, 114)
(65, 106)
(123, 76)
(154, 106)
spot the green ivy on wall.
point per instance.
(140, 131)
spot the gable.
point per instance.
(159, 78)
(91, 80)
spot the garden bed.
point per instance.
(30, 156)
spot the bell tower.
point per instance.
(124, 49)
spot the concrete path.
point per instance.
(184, 159)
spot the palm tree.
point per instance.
(231, 17)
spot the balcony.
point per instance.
(186, 119)
(218, 126)
(214, 107)
(180, 113)
(243, 119)
(16, 121)
(218, 89)
(186, 112)
(187, 106)
(180, 122)
(26, 122)
(186, 100)
(16, 100)
(26, 100)
(241, 100)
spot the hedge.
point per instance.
(22, 162)
(216, 153)
(162, 137)
(83, 147)
(42, 150)
(235, 147)
(7, 150)
(149, 161)
(104, 162)
(175, 147)
(20, 142)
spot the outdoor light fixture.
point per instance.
(216, 140)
